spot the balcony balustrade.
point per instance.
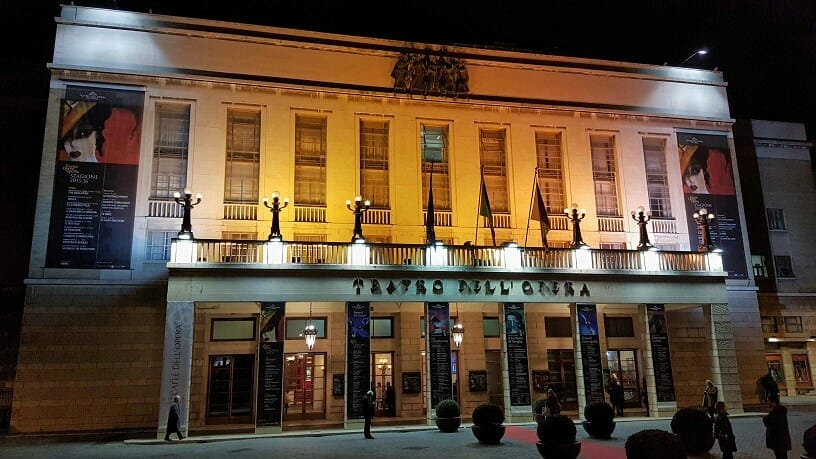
(212, 253)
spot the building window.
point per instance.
(604, 175)
(382, 327)
(310, 161)
(170, 149)
(783, 266)
(619, 327)
(294, 327)
(558, 327)
(434, 143)
(491, 327)
(158, 245)
(769, 324)
(493, 156)
(550, 171)
(232, 330)
(612, 246)
(760, 268)
(243, 157)
(374, 163)
(776, 219)
(657, 178)
(793, 324)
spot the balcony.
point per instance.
(201, 253)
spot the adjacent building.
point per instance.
(280, 130)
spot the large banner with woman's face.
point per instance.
(708, 182)
(95, 180)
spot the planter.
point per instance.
(556, 451)
(488, 434)
(448, 424)
(599, 429)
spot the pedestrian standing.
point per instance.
(390, 399)
(368, 412)
(616, 396)
(710, 397)
(553, 404)
(777, 434)
(173, 418)
(724, 433)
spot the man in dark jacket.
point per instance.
(777, 434)
(173, 420)
(368, 412)
(723, 432)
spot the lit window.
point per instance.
(374, 163)
(604, 175)
(657, 180)
(310, 161)
(550, 171)
(493, 157)
(243, 156)
(171, 136)
(434, 144)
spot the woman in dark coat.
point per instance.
(368, 412)
(553, 404)
(777, 434)
(723, 432)
(173, 420)
(616, 396)
(710, 397)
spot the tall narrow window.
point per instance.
(784, 267)
(434, 143)
(493, 156)
(657, 179)
(604, 175)
(158, 244)
(550, 171)
(776, 219)
(374, 163)
(243, 156)
(310, 161)
(170, 148)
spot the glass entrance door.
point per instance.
(304, 377)
(561, 364)
(382, 377)
(623, 363)
(231, 384)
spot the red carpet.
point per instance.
(589, 448)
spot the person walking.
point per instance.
(368, 412)
(553, 404)
(173, 417)
(616, 396)
(768, 387)
(390, 400)
(724, 433)
(777, 434)
(710, 397)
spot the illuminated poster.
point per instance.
(708, 182)
(270, 365)
(438, 315)
(95, 179)
(515, 336)
(587, 317)
(357, 357)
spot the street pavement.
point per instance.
(518, 442)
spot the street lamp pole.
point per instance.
(575, 215)
(704, 219)
(701, 52)
(187, 204)
(275, 208)
(359, 209)
(642, 218)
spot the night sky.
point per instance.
(766, 50)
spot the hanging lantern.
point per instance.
(310, 335)
(458, 333)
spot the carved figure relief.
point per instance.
(428, 75)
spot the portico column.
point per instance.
(724, 372)
(178, 361)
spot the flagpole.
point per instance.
(479, 207)
(530, 212)
(430, 219)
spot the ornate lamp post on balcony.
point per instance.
(576, 215)
(642, 218)
(359, 209)
(188, 204)
(703, 218)
(275, 208)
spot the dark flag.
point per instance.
(539, 213)
(484, 210)
(430, 233)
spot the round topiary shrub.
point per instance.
(556, 435)
(448, 416)
(539, 405)
(651, 443)
(599, 423)
(488, 414)
(447, 409)
(600, 412)
(694, 428)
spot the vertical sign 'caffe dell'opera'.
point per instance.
(97, 167)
